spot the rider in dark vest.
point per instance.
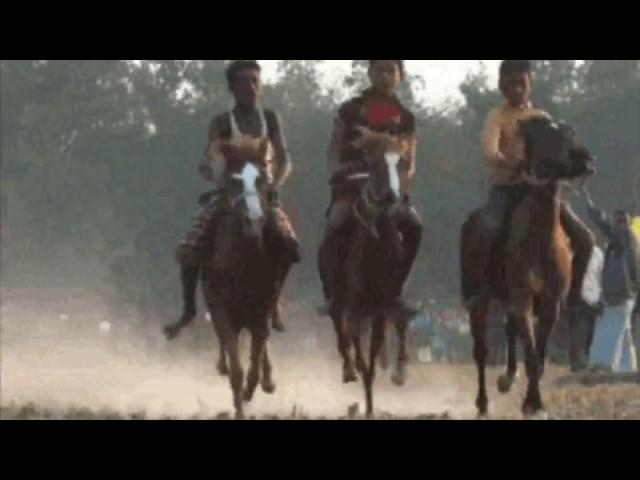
(242, 132)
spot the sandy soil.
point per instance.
(55, 363)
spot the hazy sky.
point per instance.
(442, 77)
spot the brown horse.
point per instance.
(531, 269)
(242, 283)
(372, 272)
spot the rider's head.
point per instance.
(243, 77)
(386, 75)
(516, 81)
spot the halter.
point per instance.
(368, 197)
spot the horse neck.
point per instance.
(545, 207)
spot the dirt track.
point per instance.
(54, 366)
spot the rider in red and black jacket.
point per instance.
(379, 110)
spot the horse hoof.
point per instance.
(540, 415)
(171, 332)
(504, 384)
(349, 376)
(399, 378)
(223, 369)
(268, 387)
(240, 415)
(534, 411)
(483, 416)
(247, 396)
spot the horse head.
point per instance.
(552, 152)
(246, 183)
(383, 154)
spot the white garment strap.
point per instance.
(235, 131)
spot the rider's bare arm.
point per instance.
(282, 158)
(410, 159)
(494, 158)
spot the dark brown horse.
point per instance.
(372, 270)
(531, 270)
(241, 285)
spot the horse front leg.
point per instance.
(353, 327)
(548, 315)
(523, 315)
(258, 344)
(229, 339)
(344, 345)
(377, 339)
(222, 366)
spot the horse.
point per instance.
(375, 252)
(242, 283)
(531, 268)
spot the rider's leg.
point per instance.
(278, 223)
(333, 248)
(189, 255)
(492, 224)
(582, 244)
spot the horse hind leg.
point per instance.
(399, 375)
(356, 336)
(267, 383)
(349, 374)
(506, 381)
(223, 366)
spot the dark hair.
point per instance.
(509, 67)
(237, 66)
(400, 64)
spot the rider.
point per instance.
(504, 151)
(238, 133)
(377, 110)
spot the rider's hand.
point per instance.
(371, 141)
